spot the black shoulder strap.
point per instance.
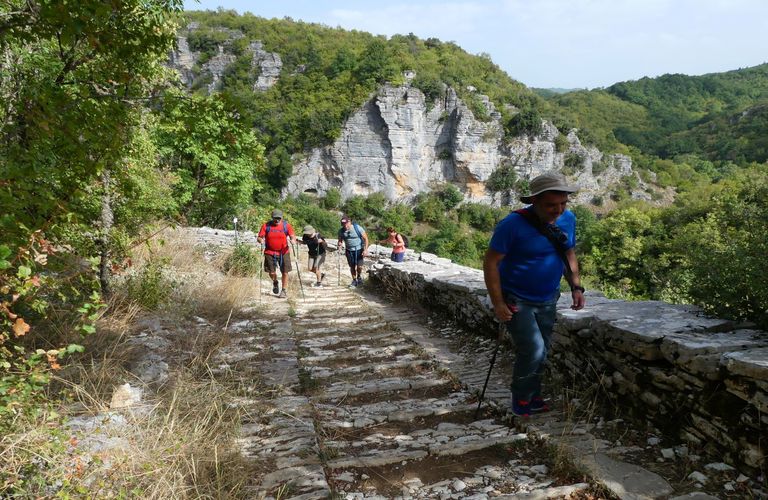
(534, 221)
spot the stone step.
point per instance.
(447, 439)
(340, 390)
(357, 371)
(356, 352)
(352, 327)
(347, 416)
(342, 320)
(335, 339)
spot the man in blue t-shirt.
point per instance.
(522, 272)
(355, 240)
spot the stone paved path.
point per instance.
(346, 395)
(363, 404)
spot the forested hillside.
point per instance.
(716, 115)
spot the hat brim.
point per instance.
(562, 189)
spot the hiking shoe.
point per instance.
(275, 287)
(322, 277)
(283, 294)
(353, 284)
(538, 405)
(359, 281)
(521, 407)
(317, 285)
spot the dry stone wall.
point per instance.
(699, 378)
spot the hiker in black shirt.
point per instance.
(316, 247)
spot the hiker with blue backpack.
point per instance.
(530, 251)
(277, 252)
(355, 240)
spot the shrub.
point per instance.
(599, 167)
(561, 143)
(150, 287)
(502, 179)
(376, 204)
(430, 209)
(355, 207)
(445, 154)
(573, 164)
(479, 216)
(450, 196)
(243, 261)
(332, 199)
(526, 122)
(400, 216)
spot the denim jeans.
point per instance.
(531, 331)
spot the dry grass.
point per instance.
(179, 444)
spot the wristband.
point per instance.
(577, 287)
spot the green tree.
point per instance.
(73, 78)
(215, 155)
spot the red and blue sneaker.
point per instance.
(538, 405)
(521, 407)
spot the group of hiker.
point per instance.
(528, 254)
(277, 235)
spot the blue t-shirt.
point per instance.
(351, 239)
(531, 268)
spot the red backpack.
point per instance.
(276, 238)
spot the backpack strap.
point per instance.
(357, 230)
(534, 221)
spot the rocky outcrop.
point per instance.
(394, 144)
(400, 145)
(266, 65)
(397, 145)
(270, 65)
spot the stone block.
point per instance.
(751, 364)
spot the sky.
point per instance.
(557, 43)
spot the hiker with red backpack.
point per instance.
(355, 239)
(529, 252)
(398, 243)
(277, 252)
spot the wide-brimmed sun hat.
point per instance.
(550, 181)
(277, 214)
(309, 230)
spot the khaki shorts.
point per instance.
(316, 262)
(272, 262)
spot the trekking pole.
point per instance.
(261, 270)
(338, 263)
(502, 327)
(298, 270)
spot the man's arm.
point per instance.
(578, 297)
(493, 284)
(365, 243)
(262, 234)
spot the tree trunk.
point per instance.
(107, 220)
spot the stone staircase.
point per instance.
(348, 396)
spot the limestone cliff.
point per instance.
(399, 145)
(266, 66)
